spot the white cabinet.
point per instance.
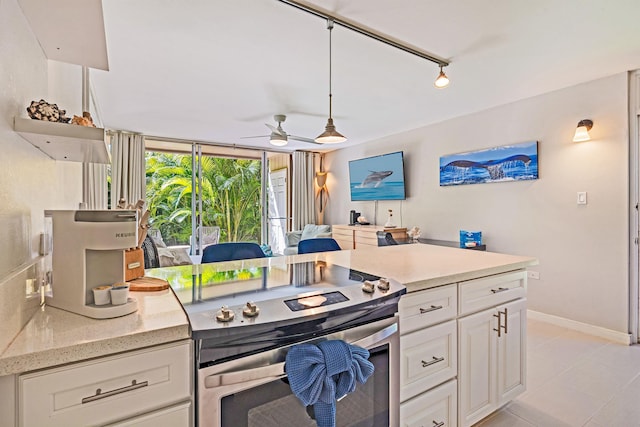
(178, 415)
(143, 385)
(492, 368)
(429, 307)
(478, 294)
(427, 358)
(434, 409)
(470, 336)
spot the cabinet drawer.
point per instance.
(427, 358)
(428, 307)
(435, 408)
(345, 233)
(345, 244)
(366, 238)
(107, 389)
(478, 294)
(174, 416)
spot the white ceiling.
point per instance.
(218, 70)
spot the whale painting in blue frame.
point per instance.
(515, 162)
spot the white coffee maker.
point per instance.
(88, 251)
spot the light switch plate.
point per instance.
(582, 197)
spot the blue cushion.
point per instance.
(231, 251)
(324, 244)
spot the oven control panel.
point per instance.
(284, 304)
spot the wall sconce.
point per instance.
(582, 131)
(321, 180)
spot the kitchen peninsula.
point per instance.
(434, 276)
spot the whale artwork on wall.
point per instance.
(516, 162)
(377, 178)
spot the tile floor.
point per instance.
(574, 379)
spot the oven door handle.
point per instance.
(276, 370)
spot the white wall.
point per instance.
(582, 249)
(30, 181)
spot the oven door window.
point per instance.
(274, 405)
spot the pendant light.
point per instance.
(330, 134)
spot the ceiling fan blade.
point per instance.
(276, 130)
(303, 139)
(257, 136)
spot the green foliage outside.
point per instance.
(230, 199)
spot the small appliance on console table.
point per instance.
(245, 320)
(88, 251)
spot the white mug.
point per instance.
(102, 295)
(119, 293)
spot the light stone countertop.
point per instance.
(420, 266)
(54, 337)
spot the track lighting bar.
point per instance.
(365, 32)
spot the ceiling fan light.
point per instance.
(330, 134)
(442, 81)
(278, 140)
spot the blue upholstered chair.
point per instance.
(322, 244)
(231, 251)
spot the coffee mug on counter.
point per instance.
(119, 293)
(102, 295)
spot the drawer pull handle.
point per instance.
(432, 361)
(100, 395)
(432, 308)
(495, 291)
(437, 424)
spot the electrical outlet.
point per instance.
(533, 274)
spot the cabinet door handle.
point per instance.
(506, 320)
(437, 424)
(100, 395)
(433, 361)
(500, 325)
(499, 329)
(495, 291)
(432, 308)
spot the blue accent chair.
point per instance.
(231, 251)
(321, 244)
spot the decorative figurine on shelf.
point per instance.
(85, 120)
(389, 222)
(414, 234)
(42, 110)
(362, 220)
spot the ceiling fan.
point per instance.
(278, 136)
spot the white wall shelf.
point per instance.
(63, 141)
(69, 31)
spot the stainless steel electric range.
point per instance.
(244, 316)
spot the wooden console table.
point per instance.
(357, 236)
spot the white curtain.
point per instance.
(127, 168)
(303, 203)
(94, 185)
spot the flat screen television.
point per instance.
(377, 178)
